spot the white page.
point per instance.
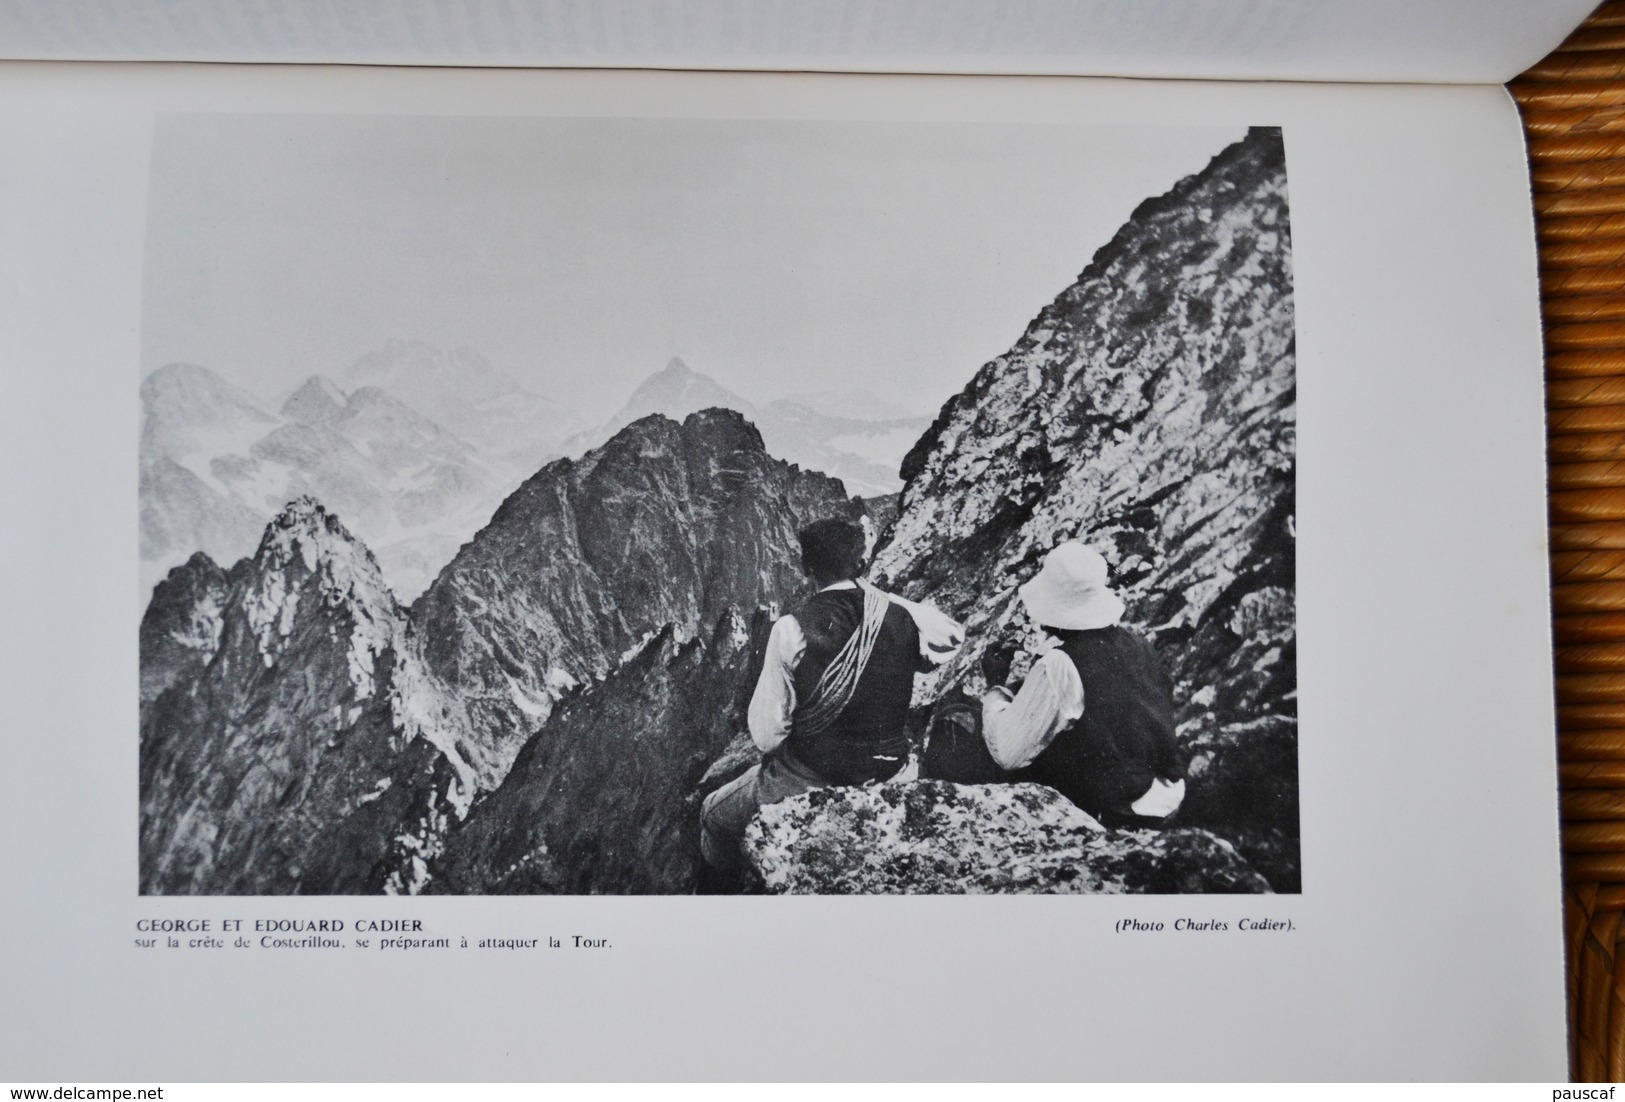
(1426, 941)
(1446, 41)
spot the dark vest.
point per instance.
(1107, 759)
(867, 741)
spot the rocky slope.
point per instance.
(930, 837)
(603, 798)
(300, 732)
(666, 524)
(1150, 411)
(290, 739)
(181, 629)
(546, 716)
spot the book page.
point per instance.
(430, 493)
(1440, 41)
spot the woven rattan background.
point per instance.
(1574, 115)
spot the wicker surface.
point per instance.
(1574, 114)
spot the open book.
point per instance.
(410, 473)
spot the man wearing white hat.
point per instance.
(1095, 717)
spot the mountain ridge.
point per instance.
(713, 518)
(302, 731)
(548, 714)
(862, 451)
(1149, 409)
(216, 468)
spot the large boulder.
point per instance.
(931, 837)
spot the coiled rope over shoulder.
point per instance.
(840, 678)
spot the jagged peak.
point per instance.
(677, 382)
(308, 560)
(710, 415)
(649, 425)
(197, 582)
(303, 510)
(317, 399)
(307, 527)
(306, 546)
(722, 424)
(200, 562)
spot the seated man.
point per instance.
(1095, 717)
(833, 696)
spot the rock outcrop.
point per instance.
(291, 741)
(932, 837)
(181, 629)
(666, 524)
(1150, 411)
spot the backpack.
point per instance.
(954, 750)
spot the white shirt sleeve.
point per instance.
(1017, 731)
(774, 700)
(940, 634)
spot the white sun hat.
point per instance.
(1070, 592)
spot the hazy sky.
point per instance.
(579, 255)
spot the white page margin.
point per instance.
(1442, 41)
(1429, 934)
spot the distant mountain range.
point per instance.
(415, 447)
(513, 429)
(216, 466)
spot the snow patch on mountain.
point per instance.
(203, 626)
(216, 467)
(307, 542)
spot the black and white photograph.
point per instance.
(669, 506)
